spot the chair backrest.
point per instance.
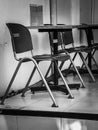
(89, 35)
(64, 38)
(21, 38)
(67, 37)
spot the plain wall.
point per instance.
(64, 12)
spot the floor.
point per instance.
(85, 99)
(85, 102)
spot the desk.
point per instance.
(55, 30)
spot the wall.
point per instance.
(86, 11)
(75, 15)
(64, 12)
(95, 17)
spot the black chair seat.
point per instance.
(77, 49)
(60, 57)
(42, 57)
(83, 49)
(95, 45)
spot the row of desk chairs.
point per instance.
(67, 39)
(21, 42)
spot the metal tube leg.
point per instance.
(95, 62)
(74, 56)
(87, 67)
(68, 89)
(10, 84)
(24, 90)
(47, 87)
(61, 65)
(47, 72)
(83, 85)
(85, 60)
(94, 52)
(92, 56)
(71, 63)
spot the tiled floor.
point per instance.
(85, 101)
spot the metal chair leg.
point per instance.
(95, 62)
(10, 84)
(93, 51)
(47, 87)
(24, 90)
(92, 57)
(83, 84)
(47, 72)
(83, 62)
(71, 63)
(67, 87)
(90, 73)
(61, 65)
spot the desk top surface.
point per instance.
(62, 27)
(56, 27)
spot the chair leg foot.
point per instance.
(22, 95)
(32, 91)
(70, 97)
(82, 86)
(2, 103)
(54, 105)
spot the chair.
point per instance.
(67, 39)
(93, 44)
(21, 43)
(52, 41)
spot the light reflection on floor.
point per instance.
(72, 124)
